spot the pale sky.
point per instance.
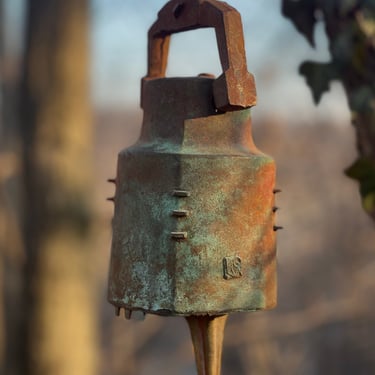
(274, 52)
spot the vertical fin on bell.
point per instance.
(128, 314)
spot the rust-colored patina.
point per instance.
(193, 230)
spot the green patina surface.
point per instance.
(230, 220)
(225, 219)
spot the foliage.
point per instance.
(350, 27)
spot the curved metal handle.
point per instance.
(235, 88)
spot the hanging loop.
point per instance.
(235, 88)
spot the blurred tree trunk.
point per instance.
(11, 251)
(59, 301)
(2, 216)
(2, 47)
(9, 78)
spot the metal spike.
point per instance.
(111, 199)
(112, 180)
(276, 228)
(128, 314)
(274, 209)
(275, 191)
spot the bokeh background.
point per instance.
(55, 318)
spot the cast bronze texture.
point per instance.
(194, 224)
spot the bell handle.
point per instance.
(235, 88)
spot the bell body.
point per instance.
(193, 229)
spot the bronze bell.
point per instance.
(193, 228)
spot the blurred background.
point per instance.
(70, 87)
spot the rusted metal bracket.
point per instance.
(235, 88)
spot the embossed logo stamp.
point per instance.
(232, 267)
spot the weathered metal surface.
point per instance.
(194, 225)
(191, 159)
